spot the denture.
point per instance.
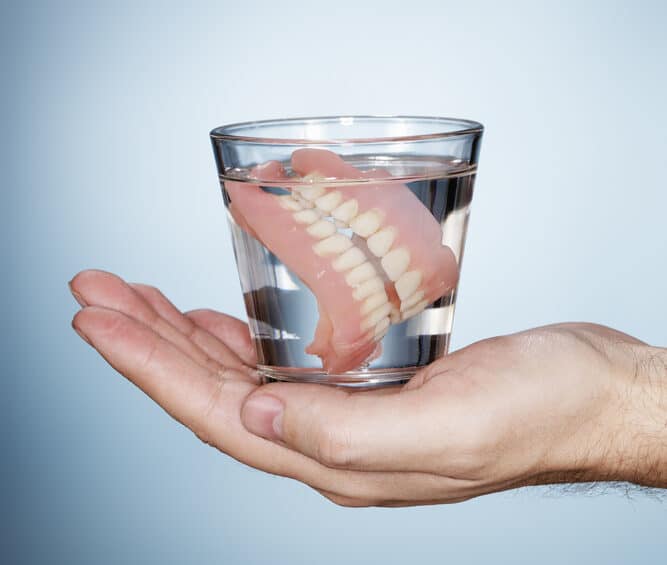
(370, 251)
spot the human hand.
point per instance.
(564, 403)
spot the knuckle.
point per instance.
(333, 446)
(150, 356)
(191, 330)
(200, 312)
(115, 325)
(203, 427)
(150, 289)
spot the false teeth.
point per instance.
(367, 223)
(410, 301)
(346, 211)
(367, 288)
(306, 216)
(375, 316)
(380, 242)
(381, 328)
(289, 203)
(321, 229)
(373, 301)
(396, 262)
(312, 192)
(332, 245)
(407, 283)
(360, 274)
(349, 259)
(329, 201)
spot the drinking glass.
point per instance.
(348, 233)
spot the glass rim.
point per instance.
(467, 127)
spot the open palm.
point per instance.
(501, 413)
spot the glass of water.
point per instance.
(348, 233)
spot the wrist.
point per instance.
(637, 452)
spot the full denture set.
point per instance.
(370, 251)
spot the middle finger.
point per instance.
(214, 346)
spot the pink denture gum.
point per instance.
(389, 270)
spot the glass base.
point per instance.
(370, 378)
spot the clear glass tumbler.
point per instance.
(348, 233)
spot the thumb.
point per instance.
(380, 430)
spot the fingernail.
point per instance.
(263, 416)
(77, 296)
(82, 335)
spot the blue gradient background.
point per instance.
(106, 163)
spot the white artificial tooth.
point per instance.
(312, 178)
(410, 301)
(312, 192)
(340, 224)
(289, 203)
(367, 223)
(321, 229)
(332, 245)
(416, 309)
(408, 283)
(373, 301)
(375, 316)
(346, 211)
(304, 203)
(348, 260)
(306, 216)
(329, 201)
(380, 242)
(394, 315)
(360, 274)
(367, 288)
(396, 262)
(381, 328)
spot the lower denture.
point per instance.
(401, 267)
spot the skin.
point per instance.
(562, 403)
